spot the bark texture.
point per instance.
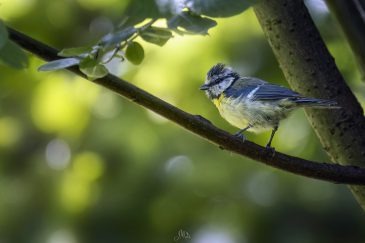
(311, 70)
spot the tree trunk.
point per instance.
(311, 70)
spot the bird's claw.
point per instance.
(240, 136)
(270, 150)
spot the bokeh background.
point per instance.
(80, 164)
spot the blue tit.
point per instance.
(253, 104)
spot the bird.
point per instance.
(250, 103)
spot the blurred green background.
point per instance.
(80, 164)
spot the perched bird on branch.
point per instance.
(253, 104)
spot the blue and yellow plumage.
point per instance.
(251, 103)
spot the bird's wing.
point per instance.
(257, 89)
(274, 92)
(243, 87)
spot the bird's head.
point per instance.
(219, 78)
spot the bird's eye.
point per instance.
(221, 85)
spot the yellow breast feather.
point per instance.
(232, 110)
(217, 101)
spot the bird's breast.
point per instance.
(241, 112)
(232, 110)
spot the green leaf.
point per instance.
(3, 34)
(219, 8)
(75, 51)
(92, 69)
(134, 53)
(139, 10)
(156, 35)
(193, 24)
(117, 37)
(12, 55)
(59, 64)
(88, 62)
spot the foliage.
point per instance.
(183, 17)
(134, 52)
(219, 8)
(155, 35)
(60, 64)
(190, 23)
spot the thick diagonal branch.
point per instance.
(311, 70)
(203, 128)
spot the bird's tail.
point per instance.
(317, 103)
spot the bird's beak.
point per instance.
(204, 87)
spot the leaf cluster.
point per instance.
(181, 17)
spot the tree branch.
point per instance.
(311, 70)
(202, 127)
(351, 16)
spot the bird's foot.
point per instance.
(240, 136)
(270, 150)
